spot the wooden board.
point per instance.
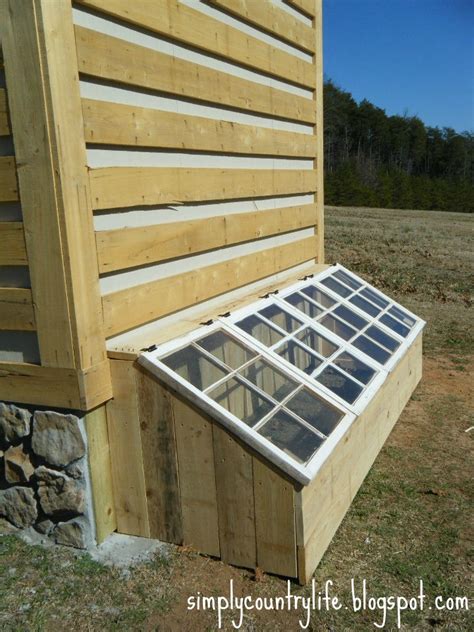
(94, 385)
(37, 38)
(155, 412)
(98, 455)
(126, 458)
(319, 128)
(16, 309)
(197, 480)
(305, 6)
(5, 129)
(129, 125)
(113, 59)
(235, 499)
(269, 17)
(114, 187)
(140, 304)
(189, 26)
(31, 384)
(8, 183)
(129, 247)
(274, 520)
(12, 240)
(326, 500)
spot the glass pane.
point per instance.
(281, 318)
(301, 303)
(299, 357)
(268, 379)
(382, 338)
(386, 319)
(340, 384)
(354, 367)
(316, 342)
(350, 317)
(241, 400)
(320, 297)
(364, 305)
(290, 436)
(338, 327)
(403, 316)
(226, 349)
(335, 286)
(374, 297)
(315, 411)
(194, 367)
(260, 330)
(371, 349)
(348, 279)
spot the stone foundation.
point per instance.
(43, 475)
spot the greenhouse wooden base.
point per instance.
(180, 477)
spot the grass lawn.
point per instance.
(411, 520)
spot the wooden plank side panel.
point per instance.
(235, 499)
(44, 386)
(326, 500)
(8, 183)
(274, 520)
(12, 240)
(192, 27)
(5, 128)
(114, 187)
(140, 304)
(319, 128)
(129, 125)
(16, 309)
(197, 480)
(156, 417)
(68, 153)
(129, 247)
(126, 457)
(113, 59)
(271, 18)
(36, 177)
(98, 452)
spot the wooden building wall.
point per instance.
(154, 155)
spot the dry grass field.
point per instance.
(411, 520)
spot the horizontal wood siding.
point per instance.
(16, 309)
(118, 124)
(8, 183)
(129, 186)
(4, 122)
(12, 244)
(110, 58)
(238, 83)
(272, 19)
(130, 247)
(173, 19)
(128, 308)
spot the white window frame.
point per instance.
(372, 320)
(303, 473)
(368, 391)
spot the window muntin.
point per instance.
(355, 309)
(309, 348)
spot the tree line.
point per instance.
(372, 159)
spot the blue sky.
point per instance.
(413, 56)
